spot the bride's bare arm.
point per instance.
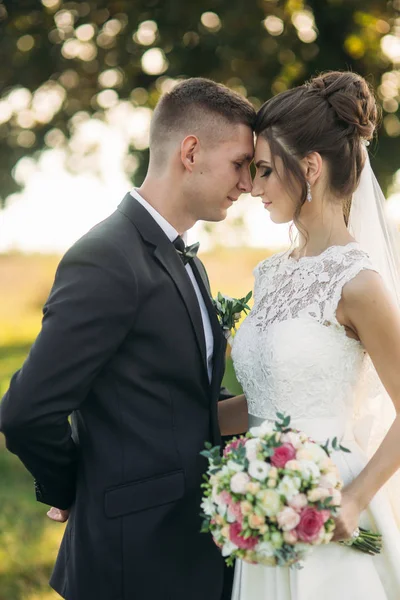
(367, 309)
(232, 415)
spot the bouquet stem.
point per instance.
(366, 541)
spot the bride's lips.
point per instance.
(266, 203)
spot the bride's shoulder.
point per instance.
(349, 257)
(269, 264)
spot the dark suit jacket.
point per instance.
(122, 349)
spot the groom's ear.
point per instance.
(313, 165)
(189, 150)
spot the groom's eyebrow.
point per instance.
(246, 157)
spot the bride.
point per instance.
(321, 314)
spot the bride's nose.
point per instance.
(256, 190)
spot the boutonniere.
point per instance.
(228, 311)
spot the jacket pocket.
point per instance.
(146, 493)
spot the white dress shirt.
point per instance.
(172, 234)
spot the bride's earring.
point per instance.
(309, 196)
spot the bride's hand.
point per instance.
(349, 516)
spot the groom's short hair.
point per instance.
(199, 107)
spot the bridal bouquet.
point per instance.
(272, 496)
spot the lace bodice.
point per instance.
(291, 354)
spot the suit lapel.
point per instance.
(166, 255)
(219, 339)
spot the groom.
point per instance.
(131, 347)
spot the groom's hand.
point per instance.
(56, 514)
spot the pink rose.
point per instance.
(226, 498)
(233, 445)
(288, 518)
(325, 515)
(298, 501)
(282, 454)
(235, 530)
(311, 521)
(290, 537)
(236, 511)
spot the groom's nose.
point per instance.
(245, 184)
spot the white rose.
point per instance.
(292, 438)
(239, 483)
(298, 502)
(208, 506)
(309, 470)
(289, 487)
(252, 446)
(288, 519)
(255, 431)
(266, 428)
(216, 498)
(259, 469)
(336, 498)
(326, 464)
(293, 465)
(264, 549)
(270, 502)
(329, 480)
(315, 451)
(234, 466)
(318, 494)
(221, 509)
(228, 548)
(304, 454)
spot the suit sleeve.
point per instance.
(89, 312)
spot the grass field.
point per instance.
(28, 539)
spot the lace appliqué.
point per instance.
(285, 356)
(311, 286)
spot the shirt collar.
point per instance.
(167, 228)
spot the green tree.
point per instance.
(63, 61)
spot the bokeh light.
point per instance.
(274, 25)
(211, 21)
(154, 62)
(146, 33)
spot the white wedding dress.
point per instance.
(291, 355)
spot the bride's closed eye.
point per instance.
(266, 171)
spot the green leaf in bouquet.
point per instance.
(205, 526)
(344, 449)
(248, 533)
(230, 561)
(326, 447)
(205, 453)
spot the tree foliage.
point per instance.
(64, 61)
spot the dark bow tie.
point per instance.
(185, 252)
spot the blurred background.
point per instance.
(78, 83)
